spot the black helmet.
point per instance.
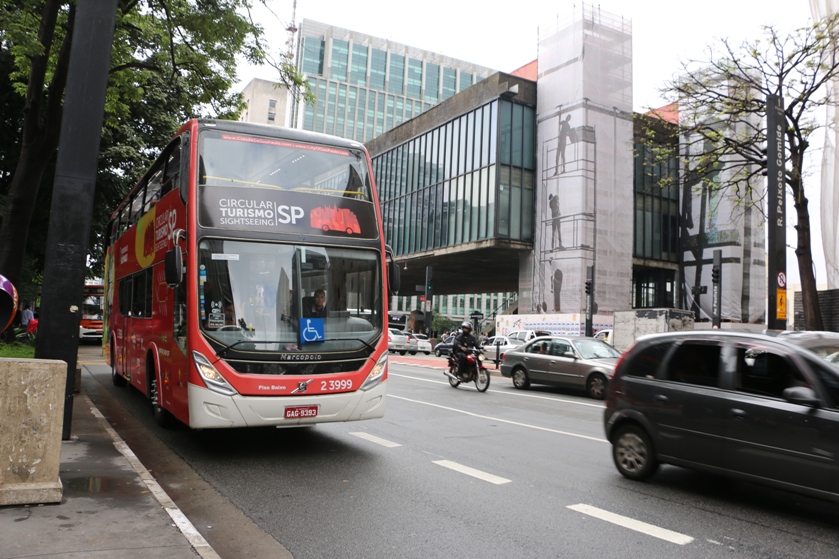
(467, 326)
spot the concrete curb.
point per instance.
(196, 540)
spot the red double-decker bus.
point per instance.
(91, 324)
(215, 270)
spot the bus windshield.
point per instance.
(92, 307)
(231, 159)
(254, 295)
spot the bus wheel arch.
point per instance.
(116, 376)
(154, 381)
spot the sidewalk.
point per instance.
(111, 506)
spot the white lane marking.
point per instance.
(517, 394)
(472, 472)
(632, 524)
(375, 439)
(558, 432)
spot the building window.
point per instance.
(653, 288)
(432, 82)
(396, 74)
(465, 81)
(359, 65)
(449, 82)
(414, 78)
(378, 69)
(340, 60)
(312, 56)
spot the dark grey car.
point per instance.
(573, 362)
(757, 407)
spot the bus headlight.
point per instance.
(376, 375)
(212, 378)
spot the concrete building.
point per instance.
(267, 103)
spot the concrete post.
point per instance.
(31, 413)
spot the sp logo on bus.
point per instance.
(289, 214)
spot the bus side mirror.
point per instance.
(394, 278)
(174, 266)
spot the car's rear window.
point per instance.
(646, 361)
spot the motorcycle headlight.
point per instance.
(481, 357)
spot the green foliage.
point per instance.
(440, 323)
(17, 350)
(171, 60)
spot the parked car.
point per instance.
(522, 336)
(569, 361)
(402, 342)
(444, 347)
(756, 407)
(605, 336)
(423, 345)
(497, 346)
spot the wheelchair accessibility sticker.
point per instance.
(311, 330)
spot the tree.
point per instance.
(722, 114)
(171, 60)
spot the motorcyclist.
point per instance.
(463, 341)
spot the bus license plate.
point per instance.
(298, 412)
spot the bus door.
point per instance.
(171, 341)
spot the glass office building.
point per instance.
(366, 86)
(466, 180)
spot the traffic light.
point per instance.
(429, 285)
(715, 274)
(588, 287)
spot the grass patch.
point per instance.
(17, 350)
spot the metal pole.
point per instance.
(589, 300)
(73, 189)
(716, 284)
(776, 254)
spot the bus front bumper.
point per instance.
(210, 410)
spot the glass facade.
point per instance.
(368, 89)
(467, 180)
(656, 223)
(656, 206)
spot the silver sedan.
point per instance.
(572, 362)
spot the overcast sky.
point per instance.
(505, 36)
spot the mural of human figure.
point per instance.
(556, 237)
(565, 134)
(557, 288)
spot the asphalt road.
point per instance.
(454, 473)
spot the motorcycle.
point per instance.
(474, 370)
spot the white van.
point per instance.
(519, 337)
